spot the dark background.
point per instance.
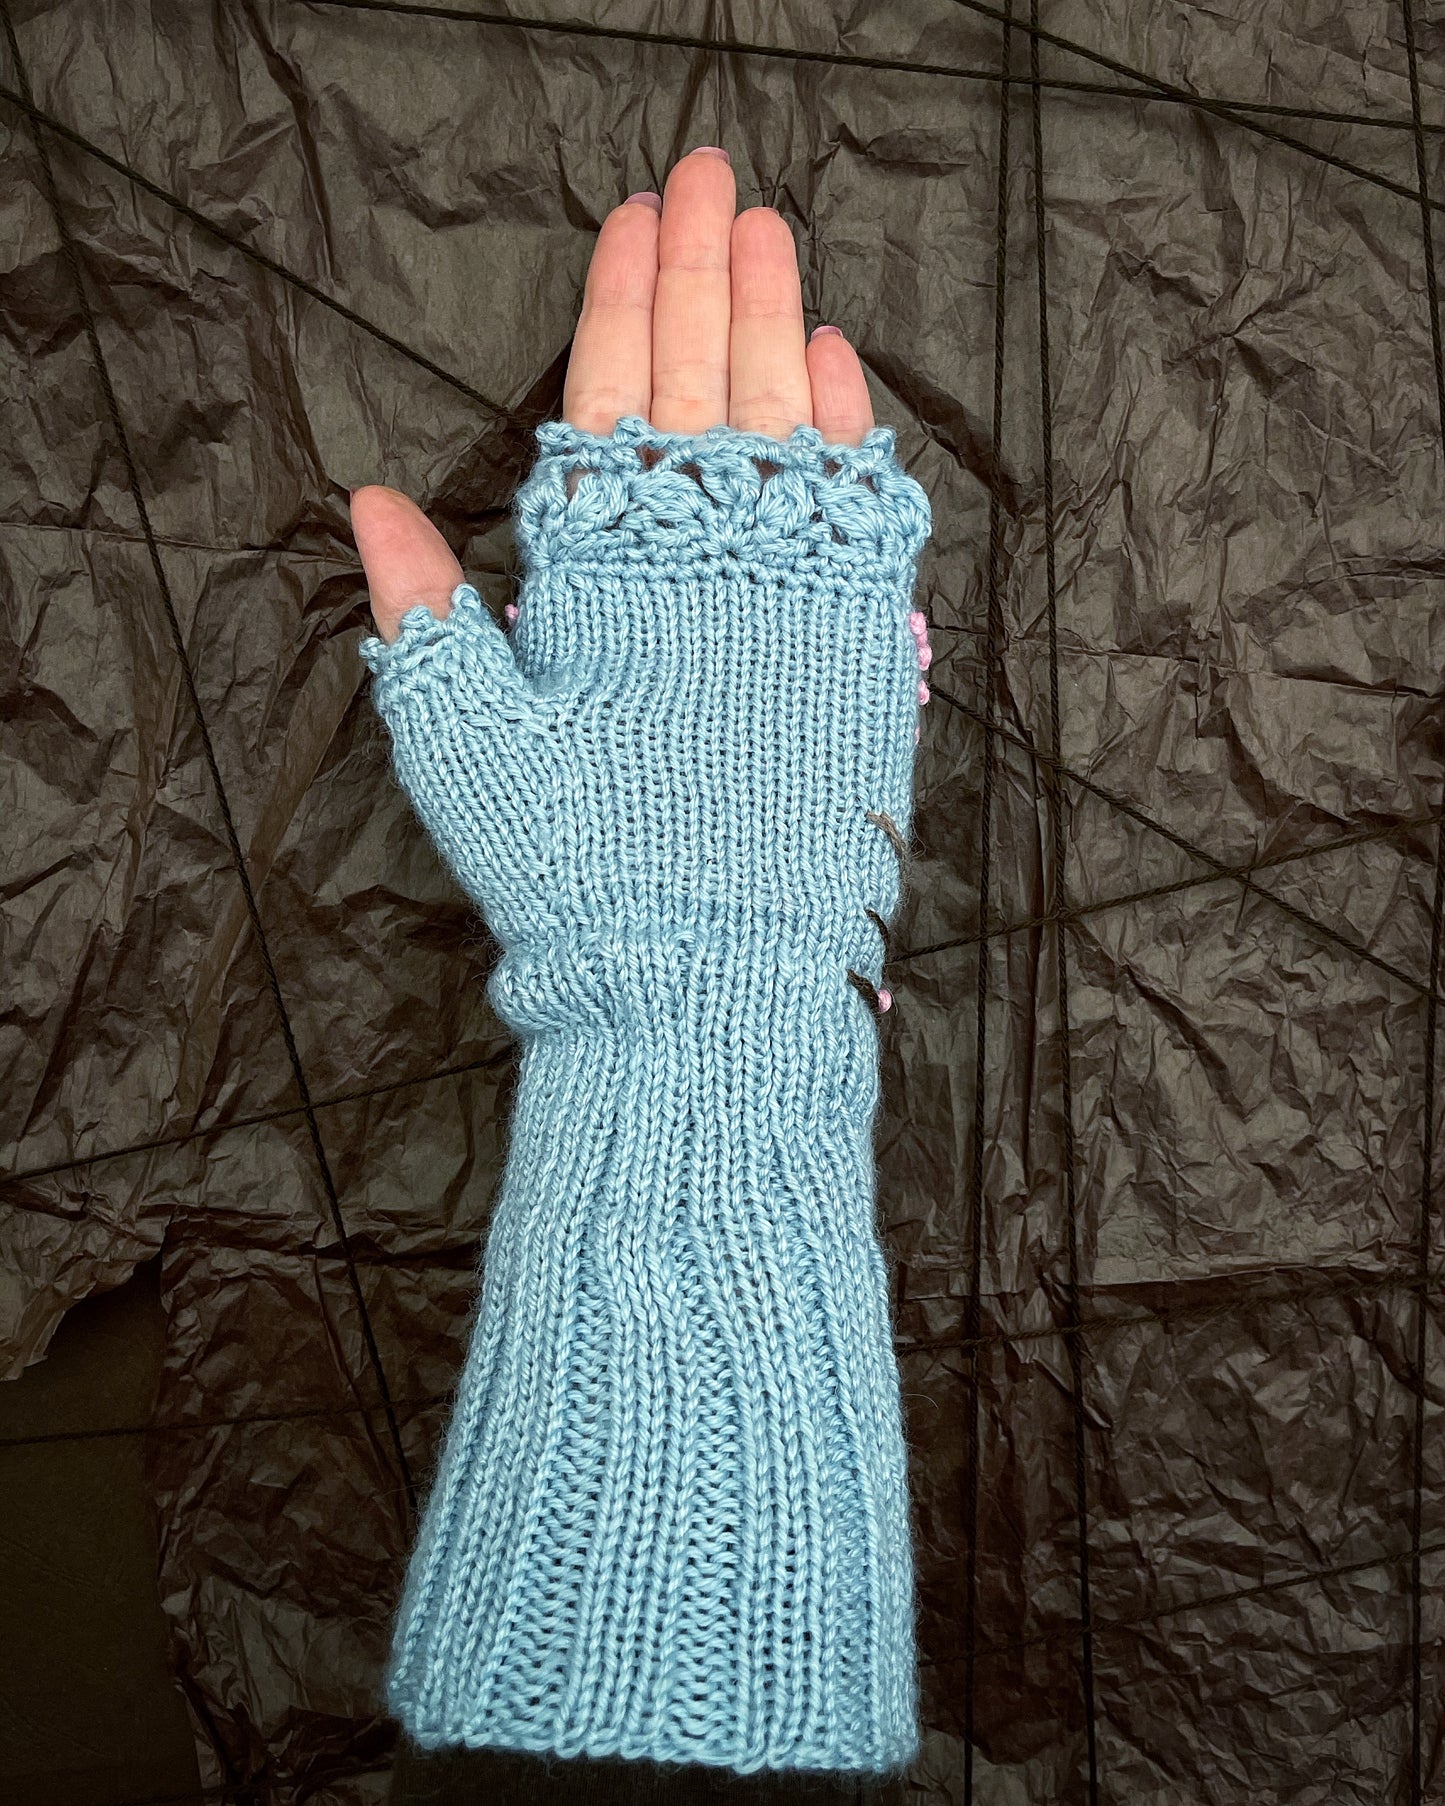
(1168, 1296)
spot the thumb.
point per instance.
(405, 558)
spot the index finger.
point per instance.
(609, 369)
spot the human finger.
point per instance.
(693, 303)
(405, 557)
(842, 408)
(767, 368)
(609, 369)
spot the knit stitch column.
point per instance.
(671, 1516)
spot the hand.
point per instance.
(692, 317)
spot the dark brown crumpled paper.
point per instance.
(1159, 1336)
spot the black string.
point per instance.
(672, 40)
(1437, 918)
(1054, 789)
(190, 1426)
(121, 537)
(234, 1124)
(974, 1288)
(1354, 1289)
(38, 117)
(1078, 912)
(72, 258)
(1183, 98)
(1219, 109)
(1219, 866)
(1138, 1621)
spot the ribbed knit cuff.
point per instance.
(671, 1519)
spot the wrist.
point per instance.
(719, 1021)
(663, 974)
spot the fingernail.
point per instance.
(818, 332)
(647, 198)
(711, 150)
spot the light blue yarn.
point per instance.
(671, 1516)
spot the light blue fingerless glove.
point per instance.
(671, 1516)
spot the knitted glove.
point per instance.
(671, 1517)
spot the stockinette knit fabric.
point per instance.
(671, 1514)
